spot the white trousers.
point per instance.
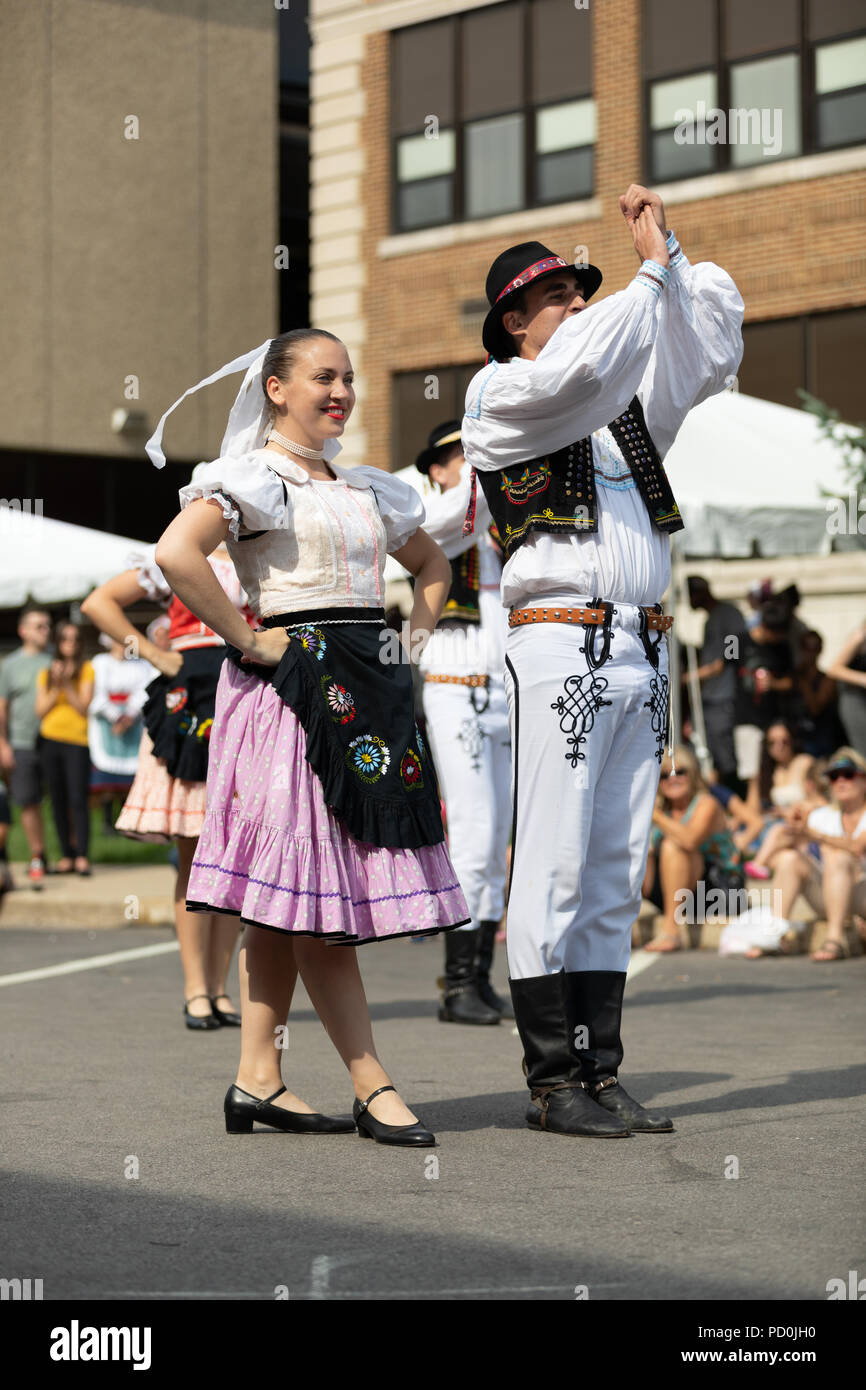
(471, 748)
(587, 747)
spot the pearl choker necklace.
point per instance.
(295, 448)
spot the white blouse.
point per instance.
(325, 541)
(672, 348)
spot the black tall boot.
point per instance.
(559, 1103)
(461, 1002)
(595, 1003)
(486, 948)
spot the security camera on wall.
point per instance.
(128, 421)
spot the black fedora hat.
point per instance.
(441, 438)
(511, 272)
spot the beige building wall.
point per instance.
(150, 257)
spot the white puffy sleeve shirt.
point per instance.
(464, 648)
(323, 542)
(672, 348)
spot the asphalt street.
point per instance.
(756, 1196)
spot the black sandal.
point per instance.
(241, 1110)
(206, 1022)
(369, 1128)
(225, 1016)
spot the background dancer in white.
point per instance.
(566, 427)
(467, 726)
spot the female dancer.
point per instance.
(167, 798)
(323, 823)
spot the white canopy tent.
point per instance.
(54, 562)
(750, 478)
(748, 474)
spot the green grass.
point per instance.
(104, 848)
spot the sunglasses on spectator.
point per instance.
(846, 773)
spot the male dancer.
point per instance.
(467, 723)
(566, 427)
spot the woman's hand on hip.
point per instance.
(267, 647)
(167, 663)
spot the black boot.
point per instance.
(486, 948)
(595, 1004)
(461, 1002)
(559, 1103)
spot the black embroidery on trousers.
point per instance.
(658, 704)
(472, 736)
(577, 709)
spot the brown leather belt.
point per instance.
(458, 680)
(586, 617)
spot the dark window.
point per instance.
(491, 112)
(823, 353)
(733, 83)
(416, 410)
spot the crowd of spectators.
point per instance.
(69, 727)
(782, 793)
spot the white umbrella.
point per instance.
(54, 562)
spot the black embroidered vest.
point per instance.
(557, 493)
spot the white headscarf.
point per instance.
(249, 419)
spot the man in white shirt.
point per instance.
(566, 427)
(466, 710)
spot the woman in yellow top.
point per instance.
(63, 693)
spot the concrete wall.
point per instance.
(151, 257)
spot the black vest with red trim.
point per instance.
(557, 493)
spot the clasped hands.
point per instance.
(644, 212)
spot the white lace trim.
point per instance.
(231, 511)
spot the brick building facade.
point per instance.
(791, 231)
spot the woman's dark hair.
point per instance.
(282, 353)
(768, 767)
(59, 628)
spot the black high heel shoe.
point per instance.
(207, 1021)
(414, 1135)
(241, 1109)
(224, 1016)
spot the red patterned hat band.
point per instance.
(539, 268)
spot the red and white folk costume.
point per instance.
(162, 804)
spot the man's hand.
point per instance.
(636, 198)
(648, 239)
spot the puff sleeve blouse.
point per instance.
(299, 542)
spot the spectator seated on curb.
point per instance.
(777, 834)
(825, 859)
(779, 786)
(744, 824)
(690, 843)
